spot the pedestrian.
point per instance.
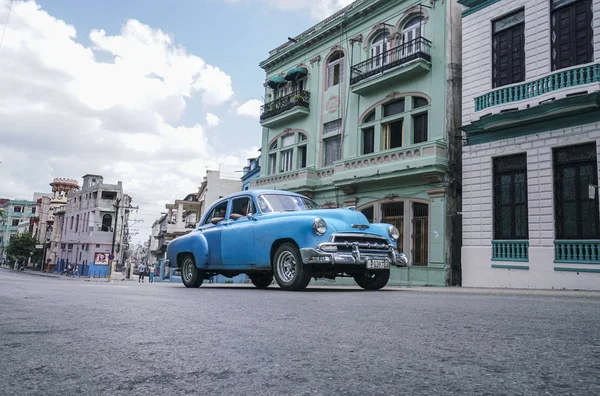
(151, 275)
(142, 272)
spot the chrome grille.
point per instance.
(366, 242)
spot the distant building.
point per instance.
(213, 188)
(251, 172)
(94, 225)
(55, 216)
(17, 215)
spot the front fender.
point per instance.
(194, 243)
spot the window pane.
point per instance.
(370, 117)
(420, 128)
(332, 150)
(368, 140)
(419, 102)
(576, 215)
(287, 140)
(302, 155)
(393, 213)
(334, 126)
(510, 199)
(393, 108)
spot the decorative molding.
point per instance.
(332, 104)
(433, 178)
(348, 190)
(411, 13)
(374, 31)
(316, 59)
(356, 39)
(351, 201)
(437, 193)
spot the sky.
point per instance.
(142, 91)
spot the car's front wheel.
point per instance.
(372, 280)
(261, 280)
(191, 276)
(290, 272)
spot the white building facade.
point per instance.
(92, 224)
(531, 119)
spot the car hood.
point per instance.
(343, 218)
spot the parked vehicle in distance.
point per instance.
(266, 233)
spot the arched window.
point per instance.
(335, 69)
(378, 48)
(411, 34)
(287, 152)
(106, 222)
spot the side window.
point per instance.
(240, 207)
(217, 214)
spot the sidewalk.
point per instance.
(55, 275)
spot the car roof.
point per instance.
(258, 192)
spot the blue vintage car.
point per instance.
(266, 233)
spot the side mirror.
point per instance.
(250, 216)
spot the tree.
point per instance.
(21, 246)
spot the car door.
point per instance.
(212, 229)
(238, 234)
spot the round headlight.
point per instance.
(394, 233)
(319, 226)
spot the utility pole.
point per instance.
(112, 250)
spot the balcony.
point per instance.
(285, 108)
(562, 79)
(577, 251)
(399, 63)
(426, 160)
(510, 250)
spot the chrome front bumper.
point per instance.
(324, 254)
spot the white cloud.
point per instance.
(212, 120)
(250, 108)
(318, 9)
(65, 113)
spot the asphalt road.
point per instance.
(71, 337)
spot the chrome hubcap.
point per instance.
(286, 266)
(187, 270)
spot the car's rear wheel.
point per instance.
(372, 280)
(290, 272)
(191, 276)
(261, 280)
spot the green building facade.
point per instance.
(363, 109)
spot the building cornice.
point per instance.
(324, 29)
(475, 5)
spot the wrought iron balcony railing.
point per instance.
(287, 102)
(418, 48)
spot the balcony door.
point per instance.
(378, 50)
(412, 31)
(420, 234)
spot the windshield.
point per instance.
(269, 203)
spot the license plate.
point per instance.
(378, 264)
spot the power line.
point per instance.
(6, 23)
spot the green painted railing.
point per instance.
(561, 79)
(510, 250)
(577, 251)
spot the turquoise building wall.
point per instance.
(415, 186)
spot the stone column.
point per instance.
(180, 214)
